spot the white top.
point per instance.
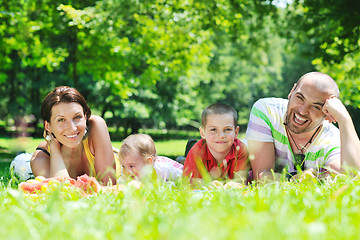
(168, 169)
(266, 125)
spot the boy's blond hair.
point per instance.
(140, 143)
(218, 109)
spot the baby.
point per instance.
(138, 153)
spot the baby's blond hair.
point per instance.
(140, 143)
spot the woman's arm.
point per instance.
(40, 162)
(100, 145)
(48, 166)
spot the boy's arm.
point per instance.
(262, 158)
(190, 168)
(192, 172)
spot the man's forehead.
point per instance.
(317, 86)
(315, 97)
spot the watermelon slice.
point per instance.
(30, 187)
(88, 184)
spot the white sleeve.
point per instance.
(331, 144)
(260, 126)
(166, 171)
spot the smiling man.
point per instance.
(295, 133)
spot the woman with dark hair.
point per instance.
(76, 142)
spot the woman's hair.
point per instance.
(63, 94)
(143, 144)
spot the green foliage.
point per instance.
(127, 55)
(347, 76)
(330, 29)
(332, 25)
(160, 63)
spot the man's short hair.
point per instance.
(219, 109)
(321, 81)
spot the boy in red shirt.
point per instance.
(219, 152)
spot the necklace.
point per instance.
(309, 142)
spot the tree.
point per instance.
(331, 31)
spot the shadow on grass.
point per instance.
(5, 175)
(6, 154)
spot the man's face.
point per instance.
(304, 111)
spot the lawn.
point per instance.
(282, 210)
(14, 145)
(327, 209)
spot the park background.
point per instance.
(157, 64)
(152, 66)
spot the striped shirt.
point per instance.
(266, 124)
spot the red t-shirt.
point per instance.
(235, 161)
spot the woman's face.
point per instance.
(67, 123)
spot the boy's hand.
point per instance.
(233, 184)
(216, 184)
(241, 176)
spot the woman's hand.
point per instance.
(53, 143)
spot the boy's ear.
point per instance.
(149, 160)
(237, 131)
(202, 132)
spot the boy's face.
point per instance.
(219, 133)
(133, 163)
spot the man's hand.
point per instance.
(309, 174)
(335, 110)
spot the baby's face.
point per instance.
(133, 163)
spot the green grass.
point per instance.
(327, 210)
(20, 144)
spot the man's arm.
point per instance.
(262, 158)
(350, 144)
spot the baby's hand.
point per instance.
(135, 184)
